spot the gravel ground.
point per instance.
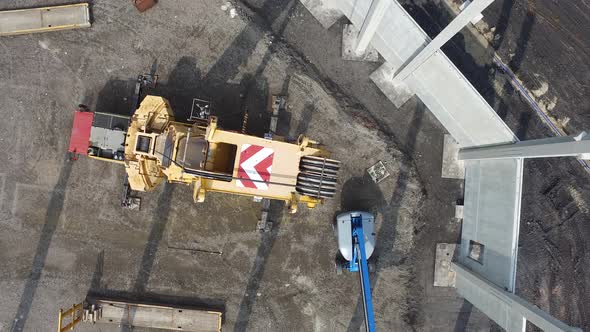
(64, 235)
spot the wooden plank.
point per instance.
(43, 19)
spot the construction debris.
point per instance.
(44, 19)
(143, 5)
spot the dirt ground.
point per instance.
(546, 45)
(63, 235)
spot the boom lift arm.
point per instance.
(356, 241)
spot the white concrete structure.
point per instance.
(452, 168)
(355, 44)
(472, 11)
(493, 187)
(506, 309)
(567, 146)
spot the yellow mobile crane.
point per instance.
(155, 147)
(212, 159)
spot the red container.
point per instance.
(143, 5)
(80, 136)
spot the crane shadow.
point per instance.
(157, 230)
(160, 220)
(267, 241)
(54, 210)
(363, 193)
(99, 291)
(185, 83)
(139, 293)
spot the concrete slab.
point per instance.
(324, 11)
(452, 167)
(349, 42)
(477, 18)
(398, 94)
(444, 274)
(459, 211)
(493, 191)
(157, 317)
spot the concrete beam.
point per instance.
(325, 11)
(506, 309)
(152, 316)
(452, 168)
(372, 20)
(349, 45)
(568, 146)
(465, 17)
(355, 43)
(444, 275)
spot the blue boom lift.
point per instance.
(356, 241)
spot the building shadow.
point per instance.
(502, 23)
(139, 295)
(463, 318)
(482, 72)
(267, 240)
(159, 223)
